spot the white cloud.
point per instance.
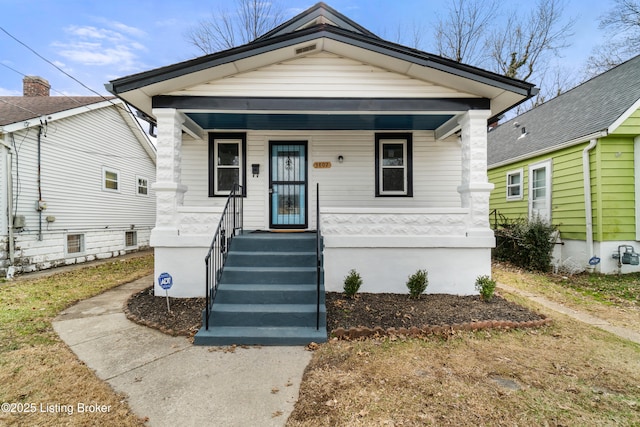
(9, 92)
(115, 47)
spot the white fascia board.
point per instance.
(25, 124)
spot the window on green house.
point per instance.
(514, 185)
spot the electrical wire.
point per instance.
(126, 110)
(52, 64)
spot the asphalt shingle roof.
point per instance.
(14, 109)
(586, 109)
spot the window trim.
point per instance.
(520, 185)
(82, 244)
(106, 170)
(135, 234)
(146, 187)
(393, 138)
(214, 139)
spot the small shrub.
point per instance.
(526, 243)
(486, 286)
(417, 283)
(352, 283)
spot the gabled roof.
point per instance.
(320, 13)
(589, 110)
(14, 109)
(328, 31)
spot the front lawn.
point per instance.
(568, 373)
(42, 380)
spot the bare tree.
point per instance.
(521, 49)
(224, 29)
(514, 43)
(461, 34)
(622, 24)
(412, 35)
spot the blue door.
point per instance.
(288, 184)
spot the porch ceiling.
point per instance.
(277, 121)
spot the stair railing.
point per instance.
(318, 255)
(229, 226)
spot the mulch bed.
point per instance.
(365, 315)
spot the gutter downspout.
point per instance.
(5, 149)
(39, 183)
(9, 182)
(586, 173)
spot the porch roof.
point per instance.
(331, 32)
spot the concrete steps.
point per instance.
(267, 293)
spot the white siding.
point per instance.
(321, 75)
(74, 151)
(436, 172)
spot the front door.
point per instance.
(288, 184)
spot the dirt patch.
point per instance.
(364, 311)
(185, 317)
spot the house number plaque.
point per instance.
(321, 165)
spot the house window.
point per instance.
(110, 179)
(227, 162)
(131, 239)
(142, 185)
(75, 243)
(540, 191)
(514, 185)
(394, 165)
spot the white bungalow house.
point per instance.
(75, 180)
(395, 138)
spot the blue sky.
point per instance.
(99, 40)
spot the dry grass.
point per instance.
(574, 292)
(564, 374)
(37, 370)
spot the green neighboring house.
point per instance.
(575, 161)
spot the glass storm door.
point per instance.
(288, 185)
(540, 191)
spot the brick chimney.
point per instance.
(35, 86)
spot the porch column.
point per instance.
(169, 191)
(475, 187)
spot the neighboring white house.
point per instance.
(395, 138)
(76, 177)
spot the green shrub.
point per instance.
(417, 283)
(352, 283)
(486, 286)
(527, 244)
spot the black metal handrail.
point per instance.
(229, 226)
(318, 255)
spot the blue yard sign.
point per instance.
(165, 281)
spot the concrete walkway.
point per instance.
(173, 382)
(625, 333)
